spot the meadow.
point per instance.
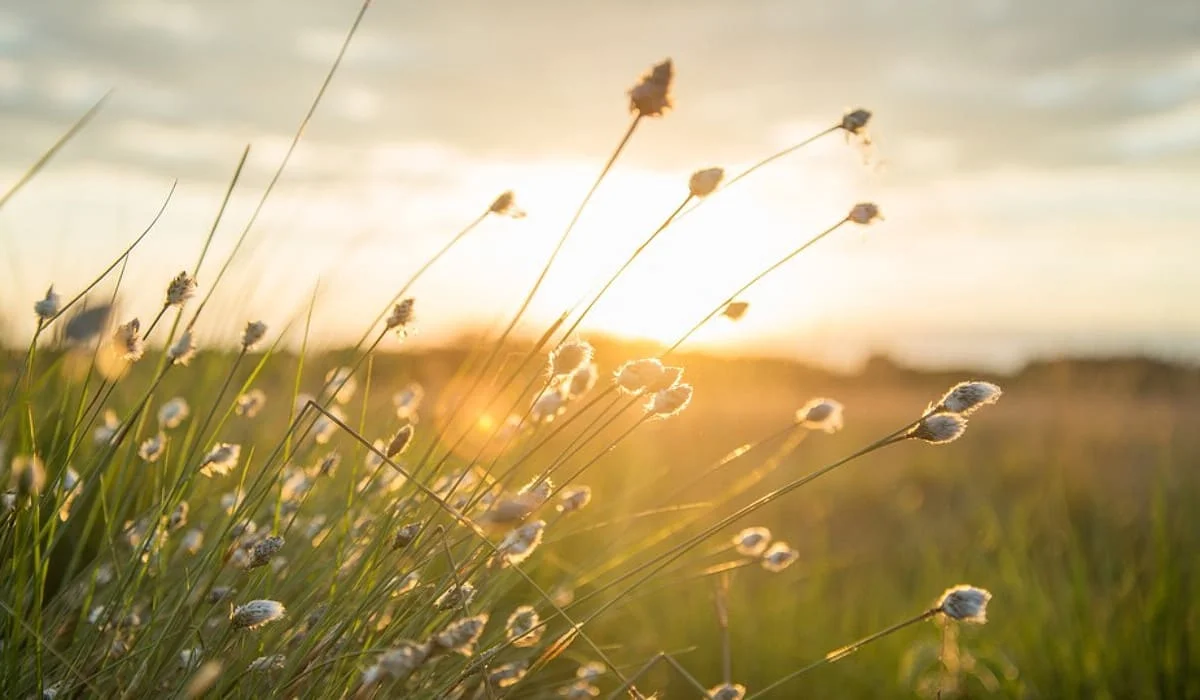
(577, 517)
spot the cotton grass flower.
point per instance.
(505, 205)
(28, 476)
(253, 334)
(727, 691)
(128, 341)
(855, 121)
(402, 315)
(523, 627)
(400, 441)
(651, 96)
(461, 635)
(178, 517)
(221, 459)
(939, 428)
(705, 182)
(250, 403)
(548, 405)
(965, 604)
(172, 413)
(107, 430)
(579, 690)
(342, 382)
(569, 357)
(967, 397)
(181, 289)
(152, 448)
(635, 376)
(574, 498)
(735, 310)
(324, 427)
(47, 307)
(183, 349)
(583, 380)
(507, 675)
(519, 544)
(265, 664)
(406, 534)
(752, 541)
(778, 557)
(456, 596)
(821, 414)
(670, 402)
(256, 613)
(70, 486)
(406, 657)
(264, 550)
(408, 400)
(864, 213)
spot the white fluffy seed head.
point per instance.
(864, 213)
(264, 550)
(456, 596)
(400, 441)
(47, 307)
(635, 376)
(402, 314)
(778, 557)
(152, 448)
(172, 413)
(28, 476)
(583, 380)
(221, 459)
(253, 334)
(522, 628)
(250, 403)
(821, 414)
(939, 428)
(967, 397)
(549, 404)
(670, 402)
(574, 498)
(705, 182)
(965, 604)
(461, 635)
(182, 288)
(128, 339)
(651, 96)
(406, 657)
(505, 205)
(256, 613)
(521, 542)
(183, 349)
(264, 664)
(727, 691)
(569, 357)
(854, 122)
(408, 400)
(752, 541)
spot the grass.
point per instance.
(129, 576)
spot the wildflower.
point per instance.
(71, 486)
(400, 441)
(967, 397)
(538, 490)
(256, 613)
(457, 596)
(405, 535)
(230, 501)
(129, 339)
(342, 383)
(651, 97)
(250, 403)
(579, 690)
(778, 557)
(104, 434)
(590, 671)
(192, 541)
(263, 664)
(402, 315)
(190, 657)
(505, 205)
(329, 464)
(705, 182)
(507, 674)
(752, 541)
(402, 660)
(965, 604)
(510, 510)
(182, 288)
(324, 427)
(727, 691)
(521, 542)
(408, 400)
(183, 350)
(548, 405)
(220, 460)
(939, 428)
(263, 550)
(178, 516)
(253, 334)
(172, 413)
(28, 476)
(635, 376)
(217, 594)
(152, 448)
(582, 380)
(48, 307)
(670, 402)
(864, 213)
(523, 627)
(569, 357)
(856, 121)
(574, 498)
(405, 585)
(821, 414)
(734, 310)
(461, 635)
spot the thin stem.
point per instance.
(843, 652)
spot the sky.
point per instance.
(1037, 164)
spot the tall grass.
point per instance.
(328, 543)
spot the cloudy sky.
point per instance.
(1037, 163)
